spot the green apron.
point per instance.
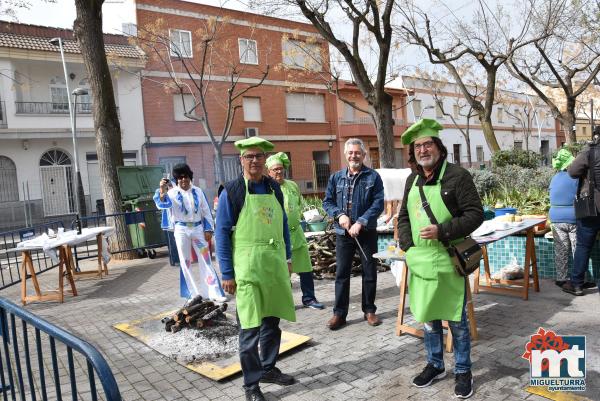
(293, 209)
(436, 290)
(261, 274)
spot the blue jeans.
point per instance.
(253, 363)
(461, 340)
(307, 285)
(587, 229)
(345, 248)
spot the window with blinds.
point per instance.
(251, 107)
(180, 106)
(305, 107)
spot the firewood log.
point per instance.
(195, 308)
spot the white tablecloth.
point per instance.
(49, 245)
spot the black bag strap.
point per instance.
(427, 207)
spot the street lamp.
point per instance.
(79, 190)
(80, 196)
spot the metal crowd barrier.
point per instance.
(39, 360)
(10, 272)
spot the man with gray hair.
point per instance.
(354, 198)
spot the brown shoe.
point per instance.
(336, 322)
(372, 319)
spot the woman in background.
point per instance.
(563, 190)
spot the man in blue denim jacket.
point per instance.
(354, 199)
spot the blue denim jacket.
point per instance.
(367, 197)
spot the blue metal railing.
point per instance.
(10, 263)
(30, 381)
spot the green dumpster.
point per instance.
(138, 184)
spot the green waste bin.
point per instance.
(138, 184)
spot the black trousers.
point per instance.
(253, 364)
(345, 248)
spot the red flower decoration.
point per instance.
(542, 341)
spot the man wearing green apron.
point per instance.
(436, 291)
(277, 164)
(254, 253)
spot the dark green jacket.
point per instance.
(461, 199)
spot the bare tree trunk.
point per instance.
(384, 124)
(570, 119)
(488, 133)
(220, 173)
(469, 158)
(88, 31)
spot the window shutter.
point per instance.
(252, 109)
(294, 103)
(348, 113)
(179, 109)
(315, 108)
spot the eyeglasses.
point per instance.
(278, 169)
(255, 156)
(425, 145)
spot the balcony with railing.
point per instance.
(50, 108)
(364, 126)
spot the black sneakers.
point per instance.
(572, 289)
(464, 385)
(428, 375)
(276, 376)
(254, 394)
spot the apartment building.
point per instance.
(520, 121)
(291, 108)
(354, 122)
(37, 160)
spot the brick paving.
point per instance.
(358, 362)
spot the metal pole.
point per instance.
(29, 204)
(81, 210)
(72, 117)
(24, 203)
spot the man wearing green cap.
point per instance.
(277, 164)
(254, 253)
(563, 190)
(437, 292)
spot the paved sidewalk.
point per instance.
(358, 362)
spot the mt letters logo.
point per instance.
(556, 362)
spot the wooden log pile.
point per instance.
(197, 314)
(322, 256)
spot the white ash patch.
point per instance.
(194, 345)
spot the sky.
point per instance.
(61, 13)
